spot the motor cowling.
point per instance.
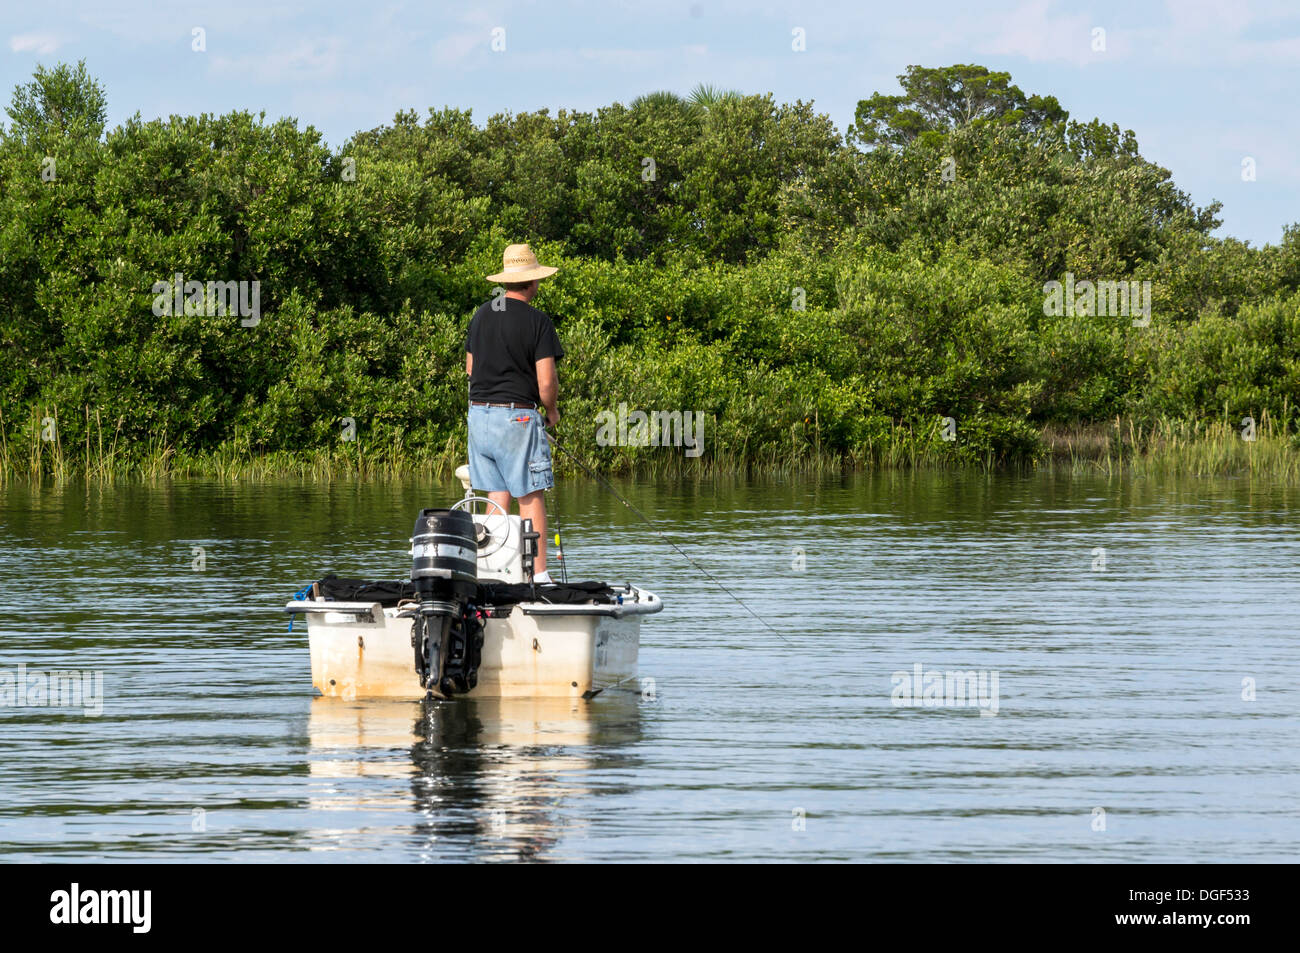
(447, 635)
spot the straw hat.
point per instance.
(520, 264)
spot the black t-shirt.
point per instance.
(507, 346)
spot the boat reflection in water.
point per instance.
(471, 779)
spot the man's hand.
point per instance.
(552, 416)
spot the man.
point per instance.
(510, 356)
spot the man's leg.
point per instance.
(533, 507)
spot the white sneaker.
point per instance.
(543, 578)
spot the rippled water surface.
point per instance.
(1143, 636)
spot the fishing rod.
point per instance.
(559, 547)
(645, 519)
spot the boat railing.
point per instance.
(367, 611)
(634, 602)
(639, 603)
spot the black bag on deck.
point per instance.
(490, 593)
(364, 590)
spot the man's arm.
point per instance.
(469, 363)
(548, 387)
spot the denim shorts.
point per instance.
(509, 450)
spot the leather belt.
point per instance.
(517, 406)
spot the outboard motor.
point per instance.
(447, 635)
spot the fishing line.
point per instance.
(618, 496)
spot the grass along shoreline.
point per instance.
(1121, 446)
(1214, 448)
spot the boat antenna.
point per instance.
(618, 496)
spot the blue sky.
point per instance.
(1203, 83)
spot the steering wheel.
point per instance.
(466, 505)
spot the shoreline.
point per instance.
(1118, 447)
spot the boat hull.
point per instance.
(360, 655)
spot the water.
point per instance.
(1121, 701)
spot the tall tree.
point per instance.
(705, 97)
(938, 100)
(61, 103)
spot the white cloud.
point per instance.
(137, 23)
(625, 60)
(1032, 31)
(454, 48)
(1243, 34)
(42, 43)
(308, 59)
